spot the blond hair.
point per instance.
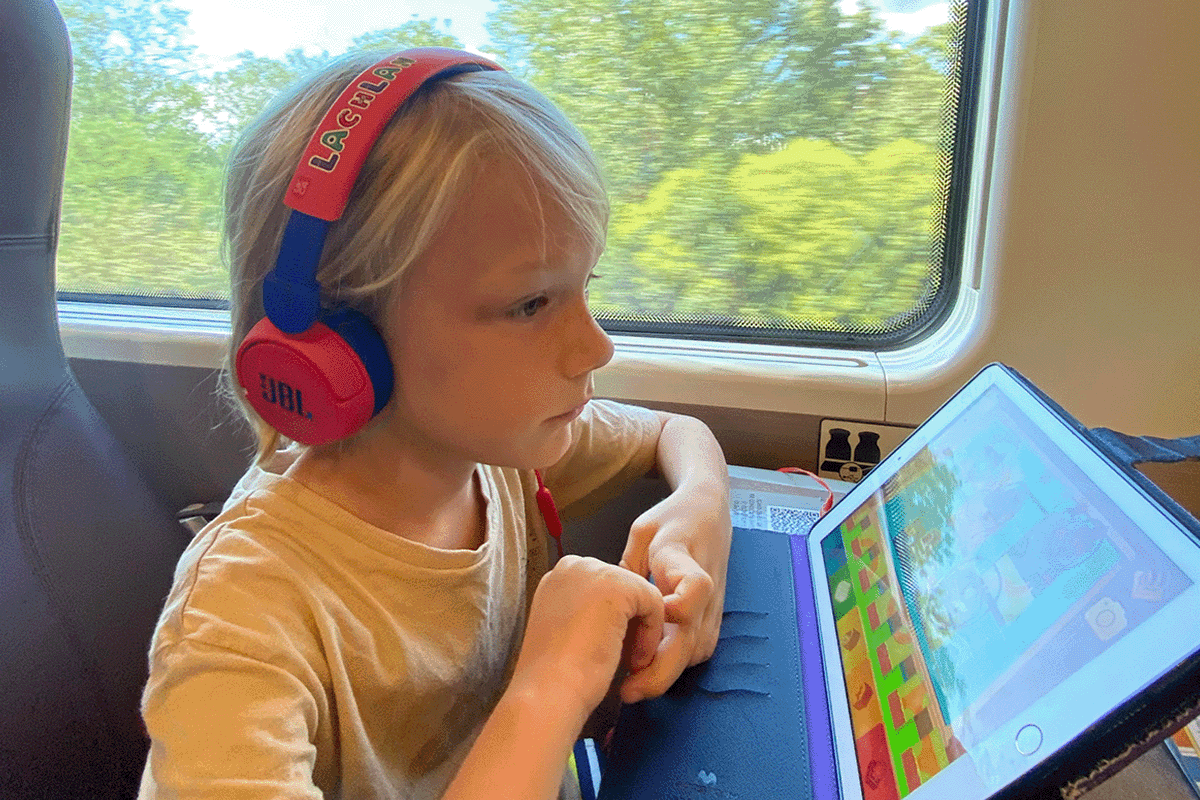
(418, 169)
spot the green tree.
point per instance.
(770, 160)
(842, 241)
(235, 95)
(658, 86)
(151, 127)
(808, 233)
(138, 211)
(907, 96)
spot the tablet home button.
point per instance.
(1029, 739)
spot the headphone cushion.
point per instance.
(313, 387)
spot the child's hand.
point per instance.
(682, 543)
(582, 613)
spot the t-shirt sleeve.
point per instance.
(253, 732)
(613, 444)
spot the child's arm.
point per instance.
(682, 543)
(582, 612)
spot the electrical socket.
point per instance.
(848, 450)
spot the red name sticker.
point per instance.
(338, 149)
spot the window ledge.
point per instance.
(182, 337)
(848, 384)
(760, 377)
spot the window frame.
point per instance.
(819, 375)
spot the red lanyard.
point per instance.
(828, 504)
(549, 512)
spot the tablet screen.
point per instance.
(980, 575)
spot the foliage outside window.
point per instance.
(774, 165)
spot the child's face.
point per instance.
(492, 339)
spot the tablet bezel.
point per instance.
(961, 777)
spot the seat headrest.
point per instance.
(35, 105)
(35, 93)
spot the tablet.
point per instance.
(998, 610)
(987, 594)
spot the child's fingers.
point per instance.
(670, 659)
(696, 605)
(584, 613)
(635, 557)
(646, 621)
(644, 618)
(690, 597)
(687, 588)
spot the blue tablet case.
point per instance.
(753, 721)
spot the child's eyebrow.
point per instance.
(498, 281)
(523, 270)
(530, 266)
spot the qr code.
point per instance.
(796, 521)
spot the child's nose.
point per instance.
(588, 346)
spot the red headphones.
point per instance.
(318, 374)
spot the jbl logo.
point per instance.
(282, 395)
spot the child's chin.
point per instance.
(546, 452)
(549, 453)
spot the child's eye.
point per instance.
(529, 307)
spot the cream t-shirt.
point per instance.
(304, 653)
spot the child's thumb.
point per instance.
(636, 557)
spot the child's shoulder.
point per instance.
(246, 573)
(232, 554)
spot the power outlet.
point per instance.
(849, 450)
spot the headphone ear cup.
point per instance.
(320, 385)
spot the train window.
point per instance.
(782, 171)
